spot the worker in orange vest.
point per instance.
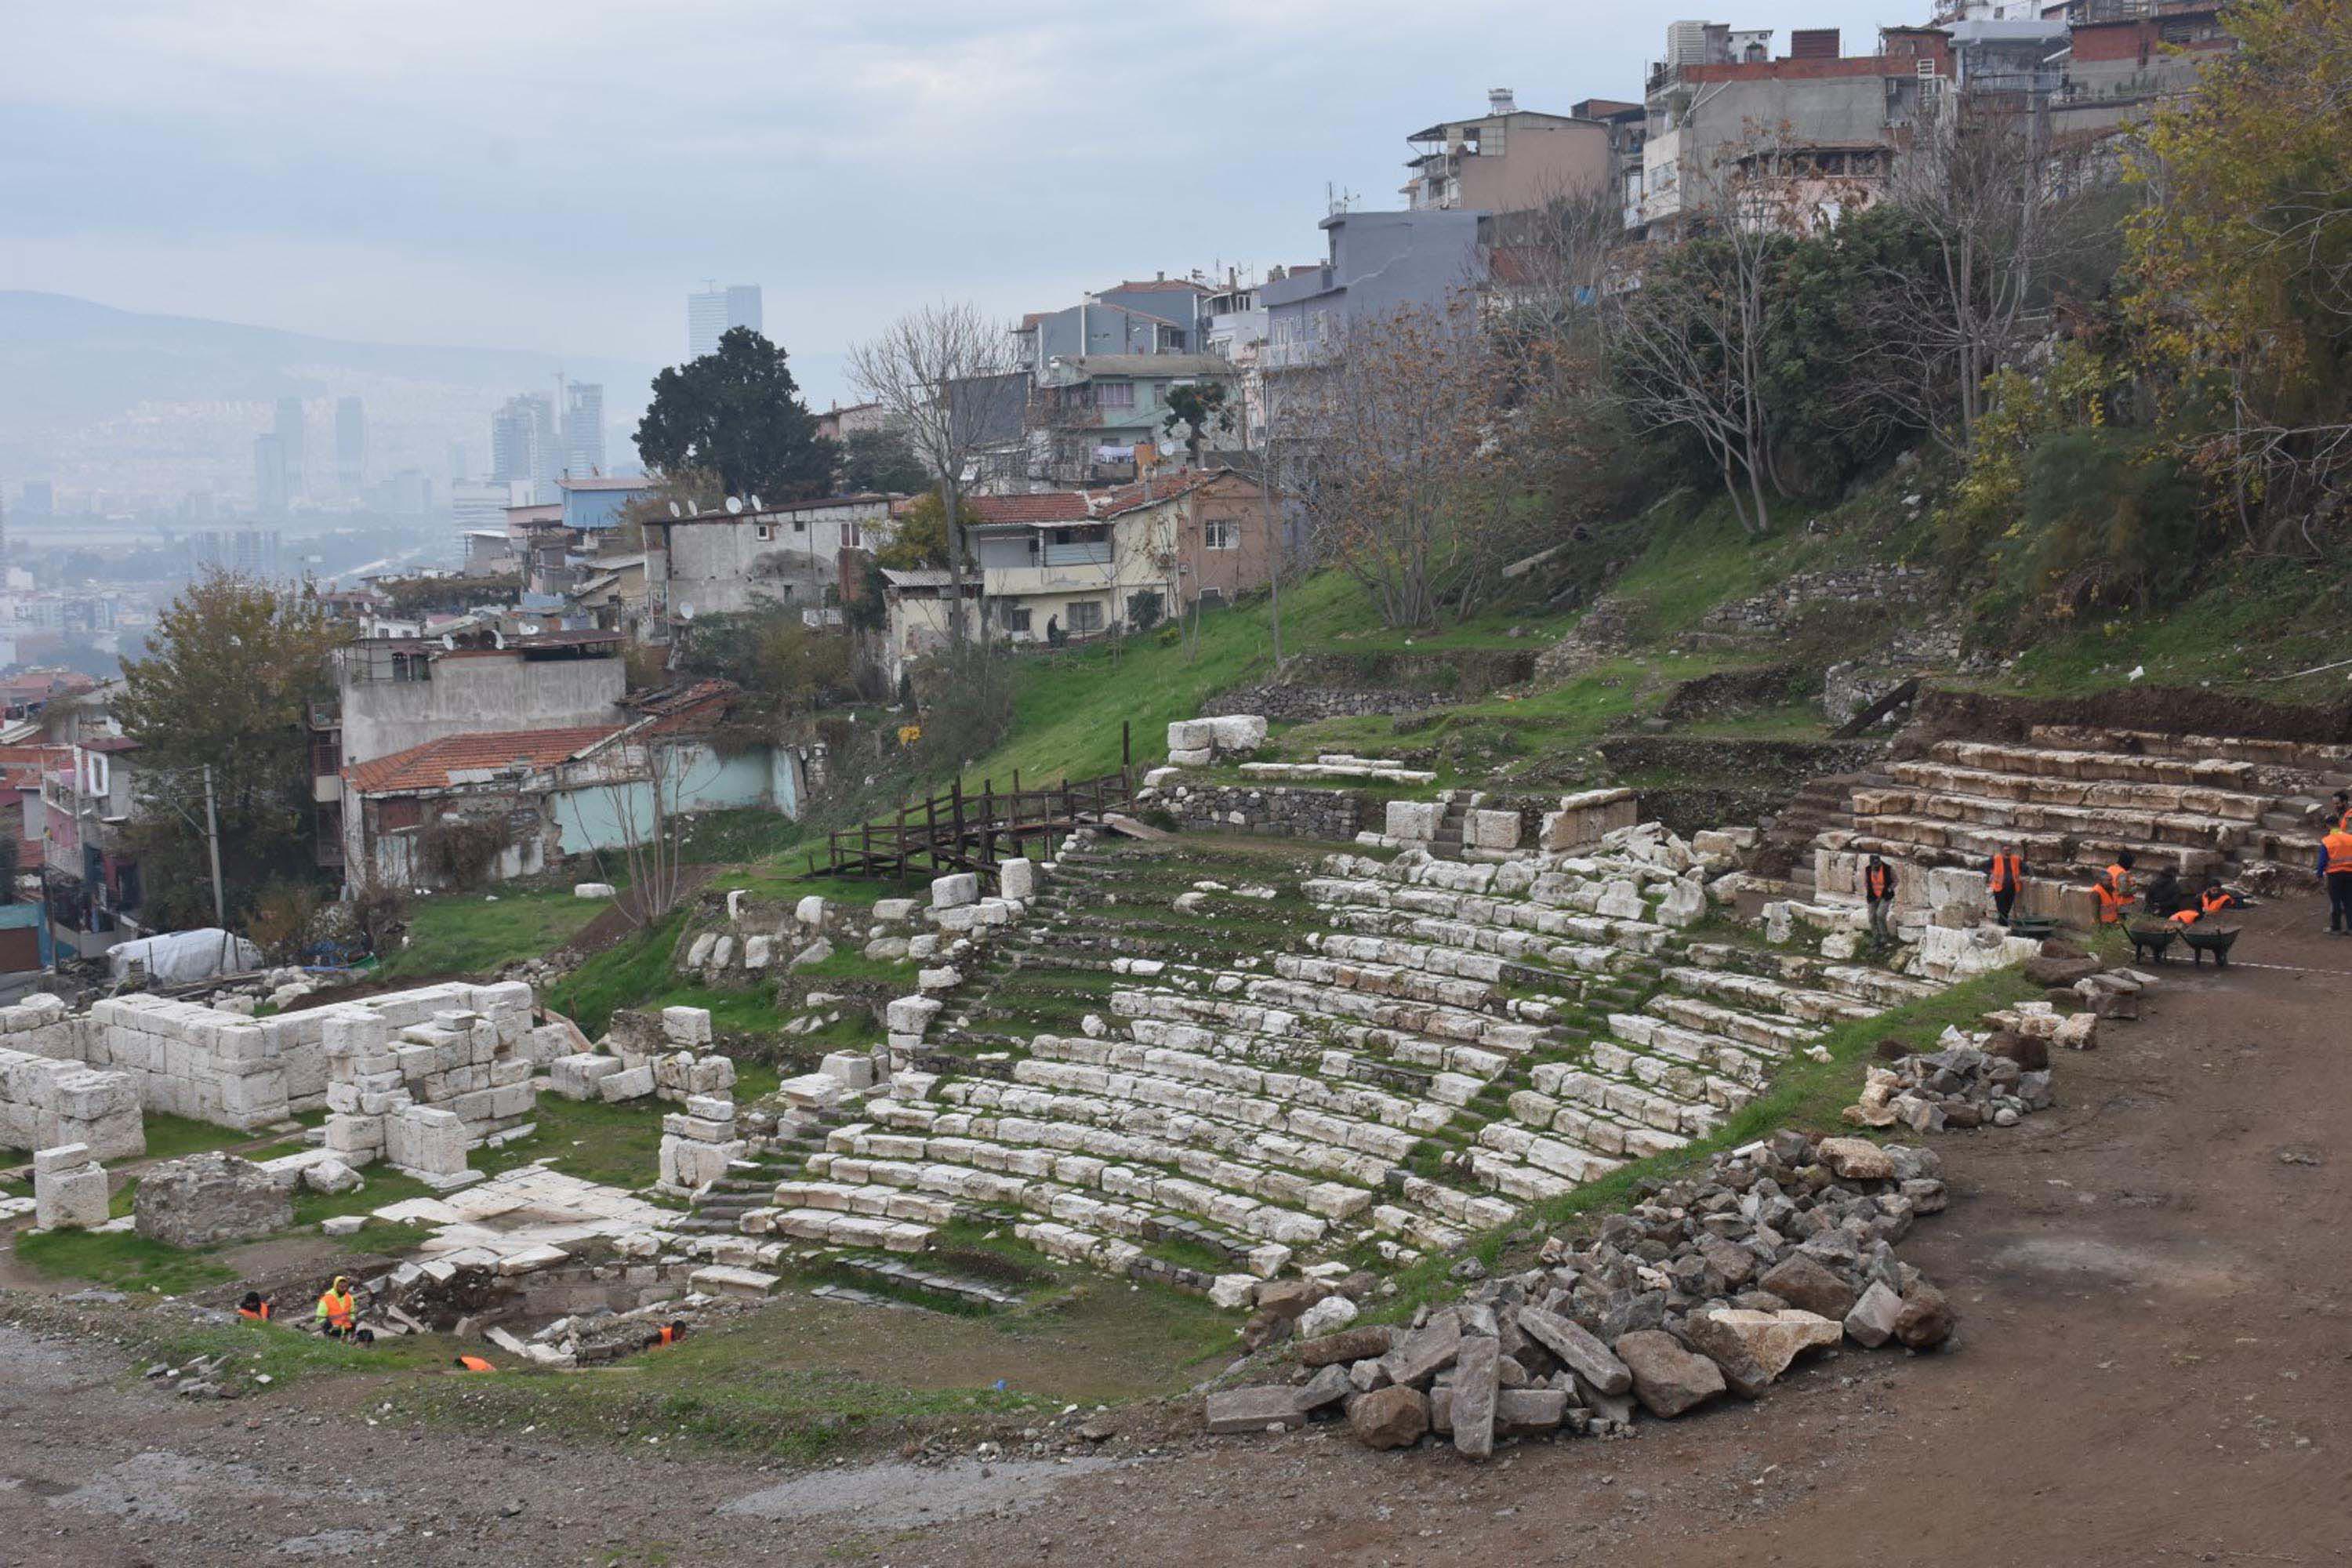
(337, 1310)
(2335, 871)
(473, 1363)
(2344, 811)
(669, 1334)
(2114, 889)
(2006, 878)
(256, 1307)
(2212, 899)
(1878, 885)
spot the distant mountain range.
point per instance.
(94, 398)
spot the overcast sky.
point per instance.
(532, 174)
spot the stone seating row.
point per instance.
(1356, 1100)
(2107, 795)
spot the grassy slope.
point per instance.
(477, 933)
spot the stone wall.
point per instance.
(1301, 704)
(419, 1077)
(1979, 715)
(1852, 589)
(1328, 815)
(46, 1103)
(1458, 674)
(1691, 783)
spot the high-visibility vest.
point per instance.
(2008, 873)
(669, 1336)
(258, 1314)
(475, 1364)
(2119, 880)
(2339, 852)
(337, 1310)
(2215, 901)
(1876, 879)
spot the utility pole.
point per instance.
(212, 838)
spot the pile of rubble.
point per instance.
(1961, 1084)
(1712, 1284)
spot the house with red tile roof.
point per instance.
(489, 805)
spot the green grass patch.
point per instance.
(121, 1260)
(381, 1185)
(619, 1145)
(477, 933)
(169, 1137)
(632, 969)
(730, 837)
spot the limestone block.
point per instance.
(698, 954)
(630, 1083)
(425, 1140)
(592, 889)
(1685, 904)
(685, 1026)
(854, 1070)
(331, 1175)
(1017, 878)
(70, 1188)
(1191, 758)
(939, 979)
(1191, 735)
(1621, 901)
(814, 953)
(1492, 830)
(910, 1015)
(1413, 819)
(955, 890)
(575, 1077)
(759, 952)
(810, 911)
(1236, 731)
(1583, 819)
(711, 1074)
(894, 910)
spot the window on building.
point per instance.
(800, 525)
(412, 667)
(763, 530)
(1086, 615)
(1016, 617)
(1221, 533)
(392, 815)
(1113, 394)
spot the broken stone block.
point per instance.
(685, 1026)
(331, 1176)
(207, 1199)
(854, 1068)
(70, 1188)
(1392, 1417)
(723, 1280)
(1485, 829)
(592, 889)
(1430, 1349)
(1254, 1409)
(1578, 1351)
(814, 953)
(1857, 1160)
(1017, 878)
(954, 891)
(1326, 1316)
(631, 1083)
(1808, 1285)
(1524, 1411)
(1361, 1343)
(810, 911)
(1477, 1375)
(1872, 1321)
(1685, 904)
(1927, 1318)
(576, 1077)
(1667, 1379)
(1753, 1348)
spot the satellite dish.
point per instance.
(686, 612)
(449, 641)
(734, 505)
(498, 637)
(674, 511)
(757, 505)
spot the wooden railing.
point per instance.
(962, 830)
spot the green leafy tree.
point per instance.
(922, 539)
(231, 668)
(880, 461)
(737, 412)
(1199, 408)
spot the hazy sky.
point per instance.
(534, 175)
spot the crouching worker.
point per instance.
(256, 1307)
(2212, 899)
(338, 1312)
(669, 1333)
(472, 1364)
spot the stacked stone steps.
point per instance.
(2028, 787)
(2061, 825)
(1823, 806)
(1446, 843)
(1873, 990)
(2320, 759)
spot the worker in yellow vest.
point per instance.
(338, 1311)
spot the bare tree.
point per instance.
(947, 376)
(1691, 342)
(1404, 479)
(1981, 191)
(645, 792)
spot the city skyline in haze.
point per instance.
(556, 184)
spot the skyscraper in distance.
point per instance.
(523, 445)
(269, 475)
(350, 444)
(712, 311)
(290, 444)
(584, 428)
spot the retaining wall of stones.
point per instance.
(1328, 815)
(46, 1103)
(1300, 704)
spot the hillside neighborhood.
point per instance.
(1657, 841)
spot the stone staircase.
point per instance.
(1257, 1055)
(2072, 799)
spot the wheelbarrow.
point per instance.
(2038, 927)
(2150, 941)
(2217, 940)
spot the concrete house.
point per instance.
(1431, 258)
(1827, 122)
(725, 563)
(96, 891)
(1086, 562)
(1507, 160)
(1090, 414)
(497, 804)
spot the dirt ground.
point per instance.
(2154, 1366)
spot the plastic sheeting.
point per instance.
(180, 957)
